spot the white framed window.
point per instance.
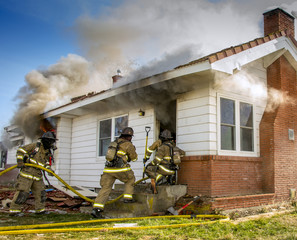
(236, 126)
(109, 130)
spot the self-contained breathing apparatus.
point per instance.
(175, 160)
(112, 158)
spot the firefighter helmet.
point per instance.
(49, 135)
(48, 140)
(166, 134)
(127, 131)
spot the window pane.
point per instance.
(246, 139)
(227, 138)
(227, 111)
(104, 143)
(105, 128)
(246, 115)
(120, 124)
(104, 136)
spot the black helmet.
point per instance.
(166, 134)
(49, 135)
(127, 131)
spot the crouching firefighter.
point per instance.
(166, 161)
(30, 178)
(119, 154)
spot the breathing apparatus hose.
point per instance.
(66, 184)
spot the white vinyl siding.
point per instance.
(79, 163)
(196, 122)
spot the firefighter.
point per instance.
(163, 165)
(119, 169)
(30, 178)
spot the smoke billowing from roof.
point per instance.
(141, 38)
(48, 88)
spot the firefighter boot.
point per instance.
(154, 189)
(129, 200)
(97, 213)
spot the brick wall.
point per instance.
(196, 173)
(278, 152)
(278, 20)
(221, 175)
(242, 201)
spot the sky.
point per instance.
(52, 50)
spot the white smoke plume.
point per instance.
(246, 85)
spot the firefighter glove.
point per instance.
(20, 164)
(25, 158)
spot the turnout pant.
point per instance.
(107, 180)
(23, 187)
(157, 172)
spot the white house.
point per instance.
(220, 109)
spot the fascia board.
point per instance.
(203, 66)
(229, 64)
(287, 44)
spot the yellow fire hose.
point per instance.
(41, 228)
(67, 185)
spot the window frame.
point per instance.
(237, 151)
(112, 133)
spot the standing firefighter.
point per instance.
(119, 153)
(166, 159)
(30, 178)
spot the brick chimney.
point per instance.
(277, 150)
(117, 77)
(278, 20)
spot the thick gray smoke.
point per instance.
(141, 38)
(48, 88)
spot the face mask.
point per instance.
(48, 143)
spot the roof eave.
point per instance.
(231, 63)
(175, 73)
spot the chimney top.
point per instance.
(115, 78)
(278, 20)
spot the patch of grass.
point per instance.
(277, 227)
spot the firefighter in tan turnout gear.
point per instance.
(118, 156)
(166, 160)
(30, 178)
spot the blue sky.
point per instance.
(36, 34)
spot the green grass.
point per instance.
(282, 227)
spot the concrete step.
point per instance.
(147, 203)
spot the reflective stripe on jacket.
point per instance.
(115, 170)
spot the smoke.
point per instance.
(243, 83)
(141, 38)
(48, 88)
(142, 34)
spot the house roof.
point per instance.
(225, 60)
(213, 57)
